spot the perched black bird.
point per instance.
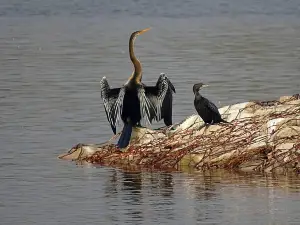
(207, 110)
(133, 101)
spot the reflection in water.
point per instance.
(160, 186)
(132, 186)
(132, 181)
(111, 185)
(223, 196)
(166, 185)
(205, 188)
(110, 193)
(144, 194)
(206, 197)
(213, 197)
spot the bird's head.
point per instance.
(139, 32)
(198, 86)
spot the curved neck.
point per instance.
(137, 73)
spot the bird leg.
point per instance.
(206, 125)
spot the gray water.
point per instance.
(52, 57)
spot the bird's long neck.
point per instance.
(137, 73)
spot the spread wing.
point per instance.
(113, 102)
(171, 87)
(156, 95)
(147, 108)
(166, 108)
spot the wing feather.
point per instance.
(113, 102)
(146, 106)
(212, 107)
(156, 95)
(164, 76)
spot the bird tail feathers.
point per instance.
(125, 136)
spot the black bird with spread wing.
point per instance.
(133, 101)
(207, 110)
(166, 109)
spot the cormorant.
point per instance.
(133, 101)
(207, 110)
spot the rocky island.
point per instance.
(261, 136)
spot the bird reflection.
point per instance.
(141, 192)
(111, 193)
(132, 181)
(132, 186)
(111, 185)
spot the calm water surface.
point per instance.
(53, 55)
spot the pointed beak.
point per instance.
(205, 85)
(145, 30)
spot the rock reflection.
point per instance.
(159, 187)
(205, 188)
(147, 194)
(215, 197)
(218, 196)
(166, 185)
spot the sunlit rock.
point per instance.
(80, 151)
(260, 136)
(144, 135)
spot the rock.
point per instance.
(283, 99)
(80, 151)
(291, 99)
(273, 125)
(285, 132)
(251, 166)
(237, 111)
(191, 160)
(144, 135)
(192, 122)
(259, 142)
(261, 136)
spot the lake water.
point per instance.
(52, 57)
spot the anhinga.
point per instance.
(133, 101)
(207, 110)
